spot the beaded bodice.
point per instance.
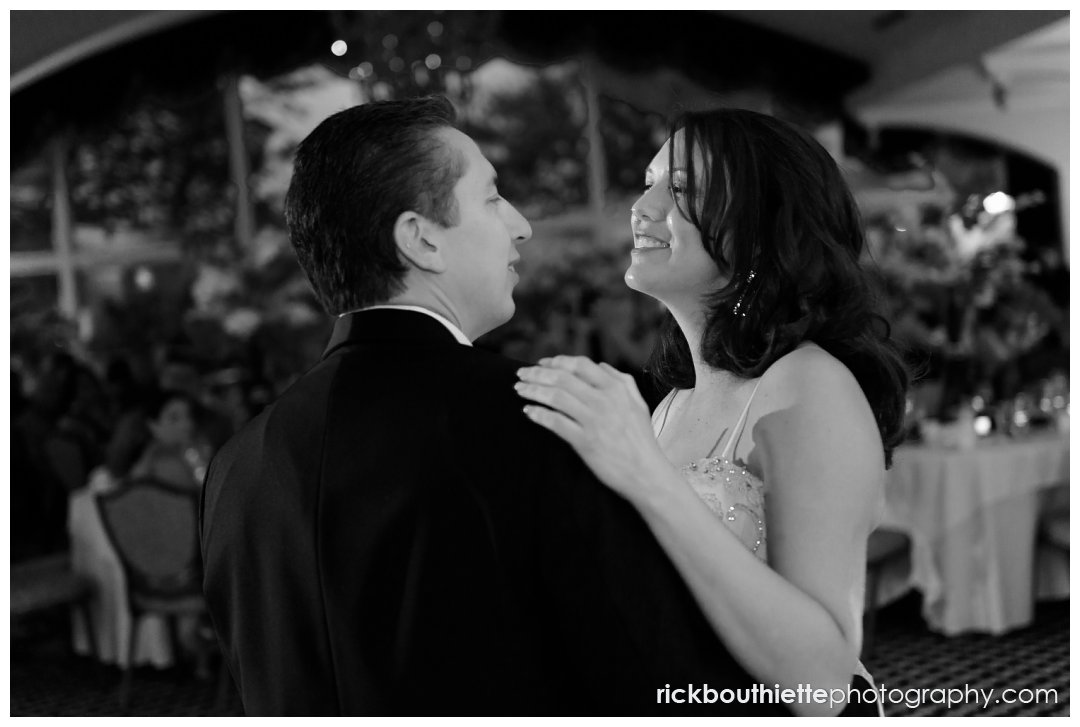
(733, 493)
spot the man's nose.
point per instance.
(519, 227)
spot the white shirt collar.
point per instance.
(454, 330)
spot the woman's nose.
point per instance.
(650, 206)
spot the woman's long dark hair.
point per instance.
(776, 215)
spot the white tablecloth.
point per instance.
(93, 556)
(972, 517)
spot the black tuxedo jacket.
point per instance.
(394, 536)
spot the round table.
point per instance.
(972, 516)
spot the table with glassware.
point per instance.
(971, 511)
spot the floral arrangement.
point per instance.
(962, 297)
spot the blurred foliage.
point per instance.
(971, 310)
(631, 140)
(534, 136)
(395, 54)
(36, 330)
(31, 205)
(158, 163)
(161, 165)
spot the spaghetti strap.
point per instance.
(668, 401)
(733, 440)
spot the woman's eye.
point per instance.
(647, 187)
(676, 189)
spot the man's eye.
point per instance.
(648, 186)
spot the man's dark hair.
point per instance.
(777, 217)
(352, 177)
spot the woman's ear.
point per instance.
(418, 242)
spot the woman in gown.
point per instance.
(761, 473)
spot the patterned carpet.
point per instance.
(48, 680)
(909, 657)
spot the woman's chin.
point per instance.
(639, 280)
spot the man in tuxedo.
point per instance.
(393, 535)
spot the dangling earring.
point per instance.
(738, 303)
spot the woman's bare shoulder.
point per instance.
(810, 375)
(822, 405)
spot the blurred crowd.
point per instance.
(79, 424)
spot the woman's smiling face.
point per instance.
(669, 261)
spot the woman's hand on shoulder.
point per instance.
(598, 411)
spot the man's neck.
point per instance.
(432, 303)
(454, 329)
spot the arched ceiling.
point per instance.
(44, 42)
(898, 46)
(903, 46)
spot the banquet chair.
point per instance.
(1054, 519)
(883, 547)
(153, 527)
(1052, 540)
(1054, 531)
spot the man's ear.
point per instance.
(416, 242)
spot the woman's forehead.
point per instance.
(674, 151)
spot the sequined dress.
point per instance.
(737, 497)
(735, 494)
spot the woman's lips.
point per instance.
(647, 242)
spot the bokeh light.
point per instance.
(381, 91)
(339, 48)
(144, 278)
(998, 203)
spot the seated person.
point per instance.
(175, 454)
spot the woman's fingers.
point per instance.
(560, 378)
(564, 427)
(598, 386)
(581, 367)
(554, 397)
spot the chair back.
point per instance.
(154, 529)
